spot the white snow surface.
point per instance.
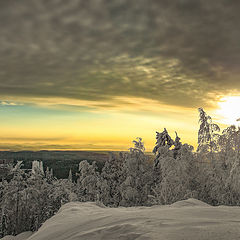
(189, 219)
(21, 236)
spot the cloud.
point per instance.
(38, 147)
(124, 104)
(30, 139)
(179, 52)
(7, 103)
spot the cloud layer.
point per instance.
(179, 52)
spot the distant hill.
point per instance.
(59, 161)
(49, 155)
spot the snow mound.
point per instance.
(88, 221)
(191, 202)
(21, 236)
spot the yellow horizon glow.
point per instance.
(105, 128)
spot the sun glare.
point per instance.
(229, 110)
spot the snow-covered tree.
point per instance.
(177, 146)
(49, 175)
(111, 178)
(137, 185)
(229, 141)
(87, 181)
(70, 175)
(138, 145)
(37, 167)
(163, 141)
(207, 134)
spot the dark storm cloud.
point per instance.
(175, 51)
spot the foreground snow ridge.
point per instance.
(187, 219)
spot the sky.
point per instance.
(96, 74)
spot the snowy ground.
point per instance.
(189, 219)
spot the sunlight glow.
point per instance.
(229, 109)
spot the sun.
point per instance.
(229, 110)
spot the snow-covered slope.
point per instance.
(189, 219)
(21, 236)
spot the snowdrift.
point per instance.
(188, 219)
(21, 236)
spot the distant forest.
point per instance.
(60, 161)
(133, 178)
